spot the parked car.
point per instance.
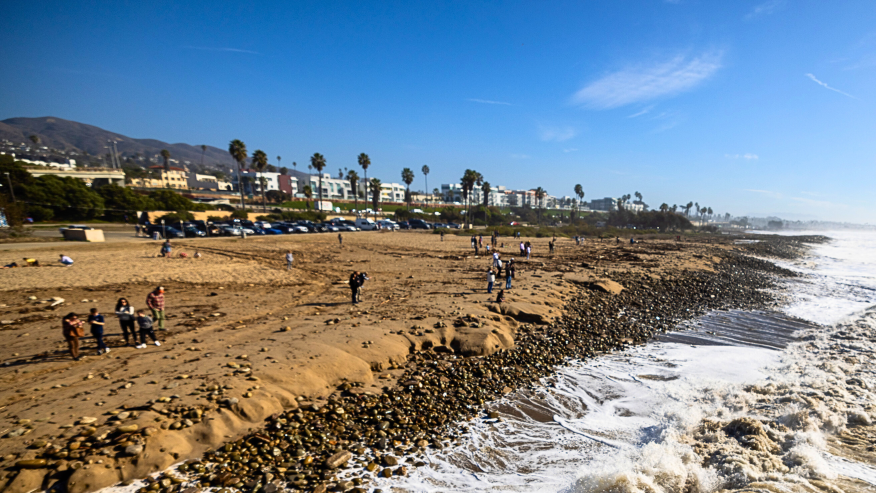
(164, 231)
(404, 225)
(419, 224)
(365, 224)
(75, 226)
(226, 230)
(454, 226)
(387, 224)
(439, 225)
(327, 227)
(192, 232)
(262, 224)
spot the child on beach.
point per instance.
(72, 330)
(145, 324)
(65, 260)
(501, 296)
(491, 278)
(97, 322)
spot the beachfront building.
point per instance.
(198, 181)
(252, 181)
(91, 176)
(392, 192)
(176, 178)
(452, 192)
(332, 188)
(609, 204)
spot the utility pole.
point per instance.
(11, 191)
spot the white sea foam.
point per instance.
(669, 417)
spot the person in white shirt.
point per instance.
(491, 278)
(289, 259)
(66, 261)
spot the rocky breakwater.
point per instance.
(355, 435)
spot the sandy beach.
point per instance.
(247, 339)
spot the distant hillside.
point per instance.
(67, 135)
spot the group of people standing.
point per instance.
(73, 329)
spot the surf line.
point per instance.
(562, 422)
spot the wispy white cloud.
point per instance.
(556, 134)
(644, 111)
(487, 101)
(572, 149)
(824, 85)
(766, 8)
(648, 81)
(768, 193)
(519, 156)
(230, 50)
(747, 156)
(819, 203)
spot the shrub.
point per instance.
(39, 213)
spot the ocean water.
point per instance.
(765, 401)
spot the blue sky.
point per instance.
(750, 107)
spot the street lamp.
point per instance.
(163, 230)
(11, 191)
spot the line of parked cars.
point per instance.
(237, 227)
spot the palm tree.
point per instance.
(308, 192)
(485, 189)
(375, 193)
(309, 168)
(279, 158)
(237, 149)
(435, 193)
(353, 178)
(203, 151)
(425, 170)
(638, 197)
(540, 194)
(365, 162)
(318, 163)
(469, 178)
(407, 176)
(165, 154)
(579, 192)
(260, 162)
(294, 165)
(664, 207)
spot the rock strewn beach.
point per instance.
(430, 350)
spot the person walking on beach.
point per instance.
(442, 236)
(155, 302)
(146, 330)
(522, 249)
(363, 276)
(491, 279)
(354, 287)
(509, 273)
(528, 250)
(474, 242)
(495, 259)
(97, 322)
(289, 259)
(551, 247)
(72, 329)
(125, 312)
(340, 239)
(65, 260)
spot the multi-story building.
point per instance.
(253, 180)
(332, 188)
(208, 182)
(172, 177)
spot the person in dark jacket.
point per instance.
(354, 286)
(72, 329)
(145, 323)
